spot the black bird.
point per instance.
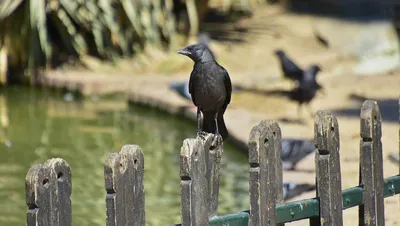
(306, 88)
(289, 68)
(294, 150)
(211, 89)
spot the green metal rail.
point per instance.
(308, 208)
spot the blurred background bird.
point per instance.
(306, 89)
(295, 150)
(181, 88)
(289, 68)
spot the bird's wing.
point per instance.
(291, 67)
(228, 88)
(191, 82)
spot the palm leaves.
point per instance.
(35, 32)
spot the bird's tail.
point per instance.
(209, 124)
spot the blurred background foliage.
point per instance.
(40, 34)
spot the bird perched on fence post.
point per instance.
(211, 89)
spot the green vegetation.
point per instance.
(36, 35)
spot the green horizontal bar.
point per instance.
(392, 186)
(352, 197)
(304, 209)
(233, 219)
(293, 211)
(308, 208)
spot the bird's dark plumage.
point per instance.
(294, 150)
(307, 87)
(289, 68)
(210, 87)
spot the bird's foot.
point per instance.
(200, 133)
(217, 141)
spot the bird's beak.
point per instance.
(184, 52)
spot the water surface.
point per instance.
(37, 125)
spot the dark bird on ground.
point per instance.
(306, 89)
(182, 88)
(294, 150)
(211, 89)
(292, 189)
(289, 68)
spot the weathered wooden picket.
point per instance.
(48, 185)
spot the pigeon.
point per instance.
(182, 88)
(294, 150)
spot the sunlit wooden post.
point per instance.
(124, 174)
(48, 191)
(327, 161)
(265, 182)
(371, 165)
(200, 160)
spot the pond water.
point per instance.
(37, 125)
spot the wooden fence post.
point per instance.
(124, 174)
(200, 160)
(265, 183)
(327, 160)
(48, 191)
(371, 165)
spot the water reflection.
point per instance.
(41, 125)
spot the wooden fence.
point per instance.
(48, 185)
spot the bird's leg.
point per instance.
(216, 124)
(198, 122)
